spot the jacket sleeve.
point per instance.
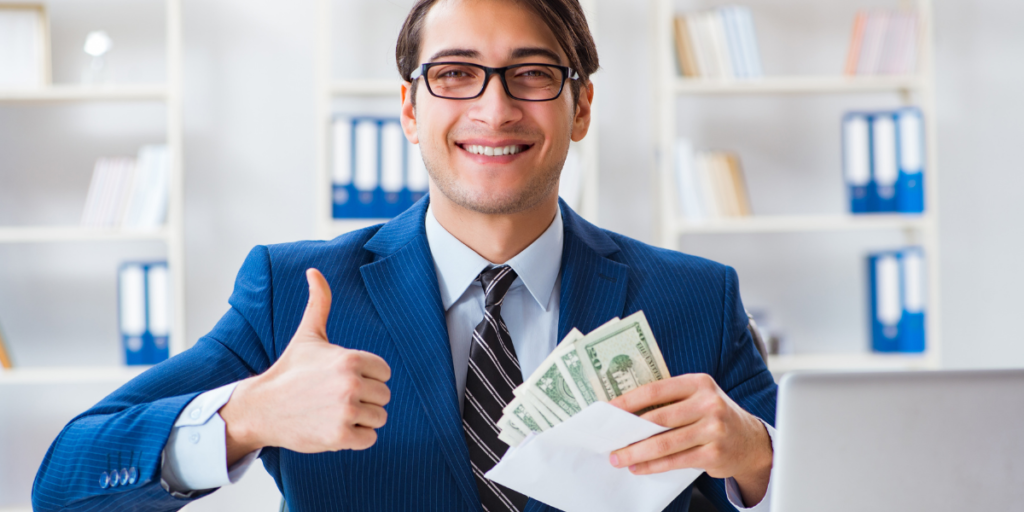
(129, 428)
(742, 374)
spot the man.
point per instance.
(376, 389)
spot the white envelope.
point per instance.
(567, 467)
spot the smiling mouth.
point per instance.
(495, 151)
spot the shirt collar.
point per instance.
(457, 265)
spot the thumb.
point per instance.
(314, 319)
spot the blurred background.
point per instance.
(247, 99)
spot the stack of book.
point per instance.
(717, 43)
(883, 160)
(128, 192)
(897, 300)
(711, 184)
(883, 43)
(376, 172)
(144, 311)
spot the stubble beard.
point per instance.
(536, 191)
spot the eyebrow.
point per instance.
(518, 53)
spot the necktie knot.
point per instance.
(496, 282)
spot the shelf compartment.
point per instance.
(77, 234)
(809, 84)
(381, 87)
(866, 361)
(60, 93)
(802, 223)
(70, 375)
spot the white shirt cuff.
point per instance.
(196, 451)
(732, 489)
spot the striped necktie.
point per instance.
(493, 374)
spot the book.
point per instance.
(710, 184)
(129, 192)
(717, 43)
(5, 355)
(684, 48)
(24, 45)
(883, 42)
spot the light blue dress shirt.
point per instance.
(530, 311)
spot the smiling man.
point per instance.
(374, 383)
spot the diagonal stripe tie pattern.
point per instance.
(493, 374)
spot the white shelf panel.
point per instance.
(383, 87)
(779, 364)
(339, 227)
(70, 375)
(803, 223)
(77, 234)
(799, 85)
(56, 93)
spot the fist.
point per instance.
(317, 397)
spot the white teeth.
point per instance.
(493, 151)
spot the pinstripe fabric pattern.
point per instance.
(386, 301)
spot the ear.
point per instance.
(409, 114)
(581, 121)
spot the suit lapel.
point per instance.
(404, 290)
(593, 288)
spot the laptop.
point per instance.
(930, 441)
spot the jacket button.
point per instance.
(124, 476)
(133, 475)
(115, 478)
(104, 480)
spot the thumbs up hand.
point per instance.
(317, 397)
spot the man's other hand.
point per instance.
(317, 397)
(709, 431)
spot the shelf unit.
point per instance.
(171, 234)
(921, 229)
(329, 88)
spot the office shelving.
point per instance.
(917, 229)
(171, 234)
(329, 88)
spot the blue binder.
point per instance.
(392, 169)
(857, 160)
(369, 168)
(884, 164)
(897, 300)
(342, 189)
(886, 307)
(910, 144)
(144, 312)
(912, 328)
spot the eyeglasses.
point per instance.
(465, 81)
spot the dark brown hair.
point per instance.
(565, 18)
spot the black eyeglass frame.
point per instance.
(567, 74)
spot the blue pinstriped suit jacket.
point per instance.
(386, 301)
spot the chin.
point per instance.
(495, 202)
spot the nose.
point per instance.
(494, 107)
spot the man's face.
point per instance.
(451, 133)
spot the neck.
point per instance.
(495, 237)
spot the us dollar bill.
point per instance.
(620, 357)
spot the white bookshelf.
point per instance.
(329, 88)
(171, 234)
(917, 89)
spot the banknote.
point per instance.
(619, 356)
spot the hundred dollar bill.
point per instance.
(620, 357)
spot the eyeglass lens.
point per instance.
(530, 82)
